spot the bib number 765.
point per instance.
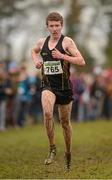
(52, 69)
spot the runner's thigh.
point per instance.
(65, 111)
(48, 101)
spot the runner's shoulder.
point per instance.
(68, 42)
(68, 39)
(41, 42)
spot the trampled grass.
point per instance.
(22, 152)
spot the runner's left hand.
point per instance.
(56, 54)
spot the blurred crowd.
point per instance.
(92, 94)
(19, 96)
(20, 101)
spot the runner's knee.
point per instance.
(65, 123)
(48, 115)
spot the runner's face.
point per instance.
(54, 27)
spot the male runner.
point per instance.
(58, 52)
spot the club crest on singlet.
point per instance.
(52, 67)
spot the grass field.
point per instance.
(22, 152)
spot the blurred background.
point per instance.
(22, 23)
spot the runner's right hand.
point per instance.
(38, 64)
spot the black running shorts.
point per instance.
(62, 96)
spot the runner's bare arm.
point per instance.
(35, 53)
(75, 56)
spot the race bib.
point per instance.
(52, 67)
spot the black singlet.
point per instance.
(57, 83)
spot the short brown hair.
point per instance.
(54, 16)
